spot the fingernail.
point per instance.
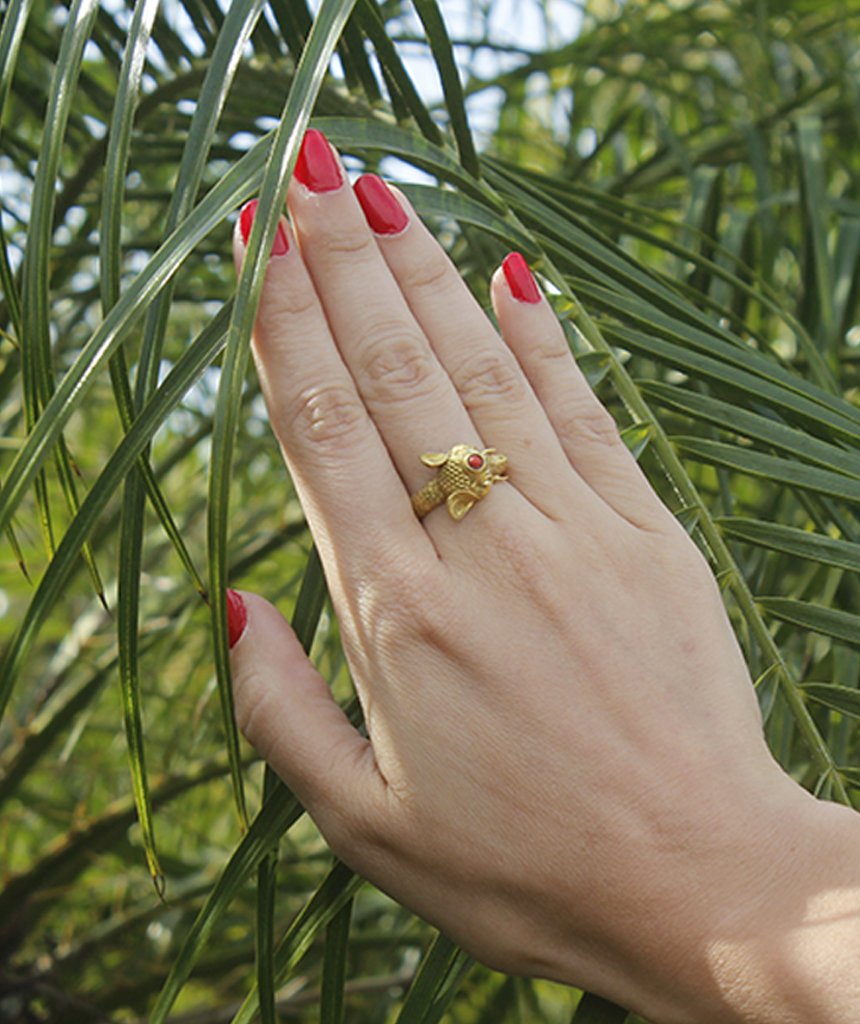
(237, 617)
(519, 278)
(383, 212)
(281, 244)
(317, 167)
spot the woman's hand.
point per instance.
(565, 768)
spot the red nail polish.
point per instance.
(519, 278)
(237, 616)
(384, 214)
(317, 167)
(281, 244)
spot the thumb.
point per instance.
(285, 710)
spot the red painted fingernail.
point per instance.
(519, 278)
(281, 244)
(317, 167)
(384, 214)
(237, 616)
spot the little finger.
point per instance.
(587, 432)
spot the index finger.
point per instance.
(341, 469)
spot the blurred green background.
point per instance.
(684, 178)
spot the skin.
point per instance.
(565, 768)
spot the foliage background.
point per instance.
(684, 177)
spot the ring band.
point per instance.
(465, 476)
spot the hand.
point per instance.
(565, 768)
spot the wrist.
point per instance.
(736, 890)
(750, 914)
(786, 950)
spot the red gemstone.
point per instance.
(475, 461)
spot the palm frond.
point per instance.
(682, 176)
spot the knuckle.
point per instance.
(346, 245)
(552, 349)
(414, 610)
(489, 376)
(397, 364)
(288, 304)
(426, 274)
(324, 414)
(526, 558)
(589, 420)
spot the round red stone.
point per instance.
(475, 461)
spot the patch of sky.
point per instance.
(177, 18)
(272, 22)
(17, 192)
(586, 142)
(96, 127)
(336, 67)
(73, 220)
(92, 52)
(257, 423)
(267, 124)
(489, 40)
(243, 141)
(395, 169)
(562, 105)
(199, 402)
(119, 11)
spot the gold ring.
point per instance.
(465, 475)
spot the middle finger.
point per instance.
(406, 390)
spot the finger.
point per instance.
(344, 476)
(407, 393)
(285, 710)
(488, 378)
(587, 432)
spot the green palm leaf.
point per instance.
(683, 180)
(436, 979)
